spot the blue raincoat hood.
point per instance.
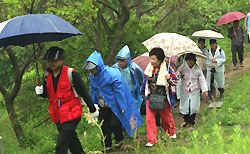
(124, 53)
(96, 58)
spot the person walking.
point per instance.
(215, 69)
(132, 74)
(238, 39)
(117, 107)
(201, 61)
(157, 91)
(65, 109)
(192, 81)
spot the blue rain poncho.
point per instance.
(133, 75)
(109, 83)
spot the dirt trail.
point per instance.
(228, 81)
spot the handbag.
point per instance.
(157, 101)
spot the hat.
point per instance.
(54, 53)
(212, 41)
(88, 65)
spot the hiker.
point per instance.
(215, 69)
(65, 109)
(132, 74)
(201, 61)
(192, 80)
(238, 39)
(117, 107)
(157, 91)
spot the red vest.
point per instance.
(70, 107)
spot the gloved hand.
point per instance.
(95, 114)
(39, 90)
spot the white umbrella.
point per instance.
(207, 34)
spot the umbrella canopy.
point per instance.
(172, 44)
(207, 34)
(143, 60)
(35, 28)
(231, 16)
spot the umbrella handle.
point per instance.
(38, 81)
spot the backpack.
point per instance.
(71, 84)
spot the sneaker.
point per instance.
(173, 136)
(118, 144)
(107, 149)
(242, 65)
(184, 124)
(149, 144)
(234, 68)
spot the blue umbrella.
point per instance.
(35, 28)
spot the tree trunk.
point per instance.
(13, 118)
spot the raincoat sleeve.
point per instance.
(143, 86)
(208, 61)
(177, 73)
(203, 82)
(119, 87)
(221, 59)
(140, 74)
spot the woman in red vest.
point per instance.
(65, 109)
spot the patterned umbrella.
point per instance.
(172, 44)
(231, 16)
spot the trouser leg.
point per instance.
(116, 126)
(151, 125)
(67, 138)
(234, 56)
(240, 50)
(192, 119)
(167, 120)
(105, 116)
(157, 117)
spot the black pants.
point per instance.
(67, 138)
(212, 92)
(189, 118)
(157, 119)
(240, 51)
(110, 125)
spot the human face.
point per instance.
(213, 46)
(190, 63)
(55, 64)
(123, 63)
(201, 45)
(236, 24)
(93, 71)
(154, 61)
